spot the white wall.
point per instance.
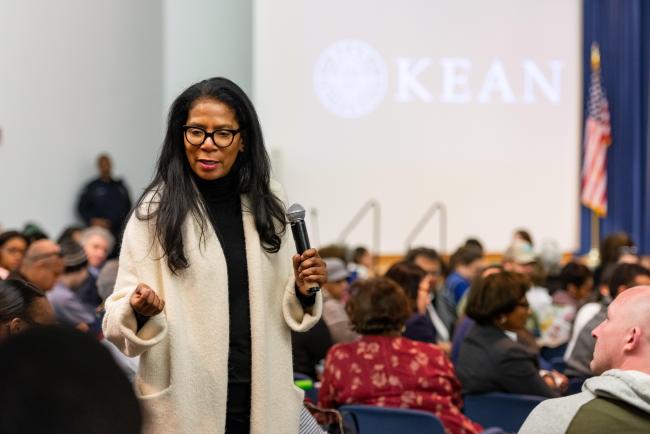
(203, 39)
(80, 77)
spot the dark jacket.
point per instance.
(108, 200)
(420, 328)
(578, 363)
(490, 361)
(310, 347)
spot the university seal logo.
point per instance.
(350, 78)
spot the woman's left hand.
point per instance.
(309, 269)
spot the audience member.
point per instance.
(33, 232)
(334, 251)
(579, 352)
(556, 322)
(71, 233)
(68, 307)
(550, 257)
(491, 359)
(475, 243)
(618, 399)
(105, 201)
(41, 266)
(310, 348)
(13, 245)
(468, 264)
(611, 248)
(415, 283)
(361, 265)
(97, 243)
(523, 235)
(385, 369)
(577, 285)
(335, 293)
(442, 305)
(22, 306)
(464, 322)
(71, 381)
(520, 258)
(431, 262)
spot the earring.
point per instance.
(503, 320)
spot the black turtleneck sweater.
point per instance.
(223, 204)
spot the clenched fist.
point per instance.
(145, 301)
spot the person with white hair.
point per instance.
(97, 243)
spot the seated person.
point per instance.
(465, 323)
(442, 306)
(73, 381)
(68, 307)
(491, 359)
(310, 348)
(22, 306)
(335, 291)
(467, 264)
(413, 280)
(97, 243)
(616, 401)
(577, 285)
(388, 370)
(579, 355)
(13, 245)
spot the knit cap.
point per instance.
(74, 257)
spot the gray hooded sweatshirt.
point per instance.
(615, 402)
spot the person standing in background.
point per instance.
(105, 201)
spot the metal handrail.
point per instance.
(433, 209)
(373, 205)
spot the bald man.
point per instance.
(618, 399)
(42, 265)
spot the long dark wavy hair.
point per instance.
(173, 187)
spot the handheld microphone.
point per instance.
(296, 217)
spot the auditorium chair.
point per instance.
(369, 419)
(507, 411)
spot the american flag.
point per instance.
(597, 139)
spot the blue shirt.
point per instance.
(457, 285)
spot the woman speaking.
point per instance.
(209, 286)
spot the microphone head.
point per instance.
(295, 213)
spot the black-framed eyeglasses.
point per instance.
(221, 137)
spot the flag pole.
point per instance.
(593, 257)
(594, 254)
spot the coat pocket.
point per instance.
(157, 410)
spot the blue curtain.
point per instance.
(622, 29)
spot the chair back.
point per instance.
(369, 419)
(507, 411)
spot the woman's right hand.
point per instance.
(145, 301)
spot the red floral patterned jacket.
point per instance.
(395, 372)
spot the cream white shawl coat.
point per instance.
(182, 380)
